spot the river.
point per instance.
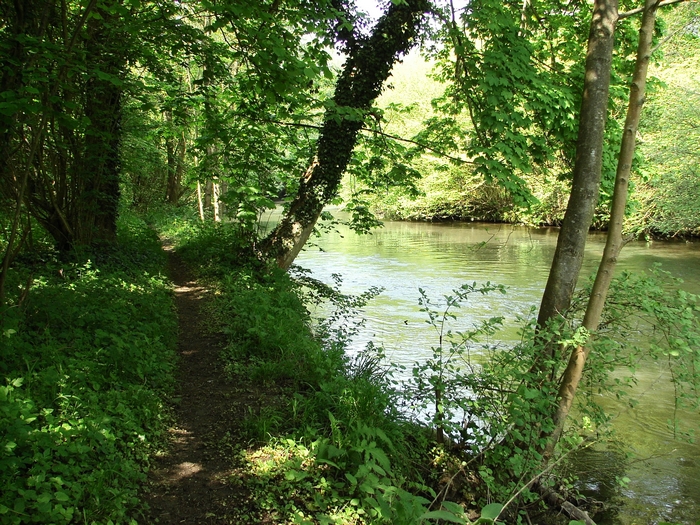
(663, 472)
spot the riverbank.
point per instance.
(317, 438)
(275, 417)
(645, 234)
(647, 220)
(327, 436)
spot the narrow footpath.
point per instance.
(188, 484)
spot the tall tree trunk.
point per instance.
(215, 187)
(170, 161)
(208, 190)
(175, 150)
(364, 73)
(99, 203)
(568, 256)
(200, 203)
(180, 167)
(614, 242)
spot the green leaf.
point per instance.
(531, 393)
(491, 511)
(455, 508)
(296, 475)
(442, 515)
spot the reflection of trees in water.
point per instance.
(654, 494)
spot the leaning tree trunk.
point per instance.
(614, 242)
(367, 67)
(568, 256)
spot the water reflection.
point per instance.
(438, 257)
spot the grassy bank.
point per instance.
(86, 359)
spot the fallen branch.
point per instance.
(554, 499)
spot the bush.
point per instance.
(87, 359)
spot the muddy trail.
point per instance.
(188, 484)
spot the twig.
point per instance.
(632, 12)
(377, 132)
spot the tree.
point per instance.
(62, 85)
(176, 148)
(568, 256)
(666, 195)
(248, 66)
(368, 65)
(615, 241)
(68, 71)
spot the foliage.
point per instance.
(61, 84)
(523, 104)
(479, 395)
(295, 484)
(650, 317)
(439, 385)
(150, 95)
(244, 81)
(667, 190)
(452, 183)
(87, 360)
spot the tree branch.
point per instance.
(670, 36)
(377, 132)
(638, 10)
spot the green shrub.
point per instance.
(87, 360)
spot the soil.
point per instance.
(188, 484)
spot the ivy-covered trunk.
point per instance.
(368, 66)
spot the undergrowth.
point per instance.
(86, 360)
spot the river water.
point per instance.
(664, 472)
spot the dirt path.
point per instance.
(188, 485)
